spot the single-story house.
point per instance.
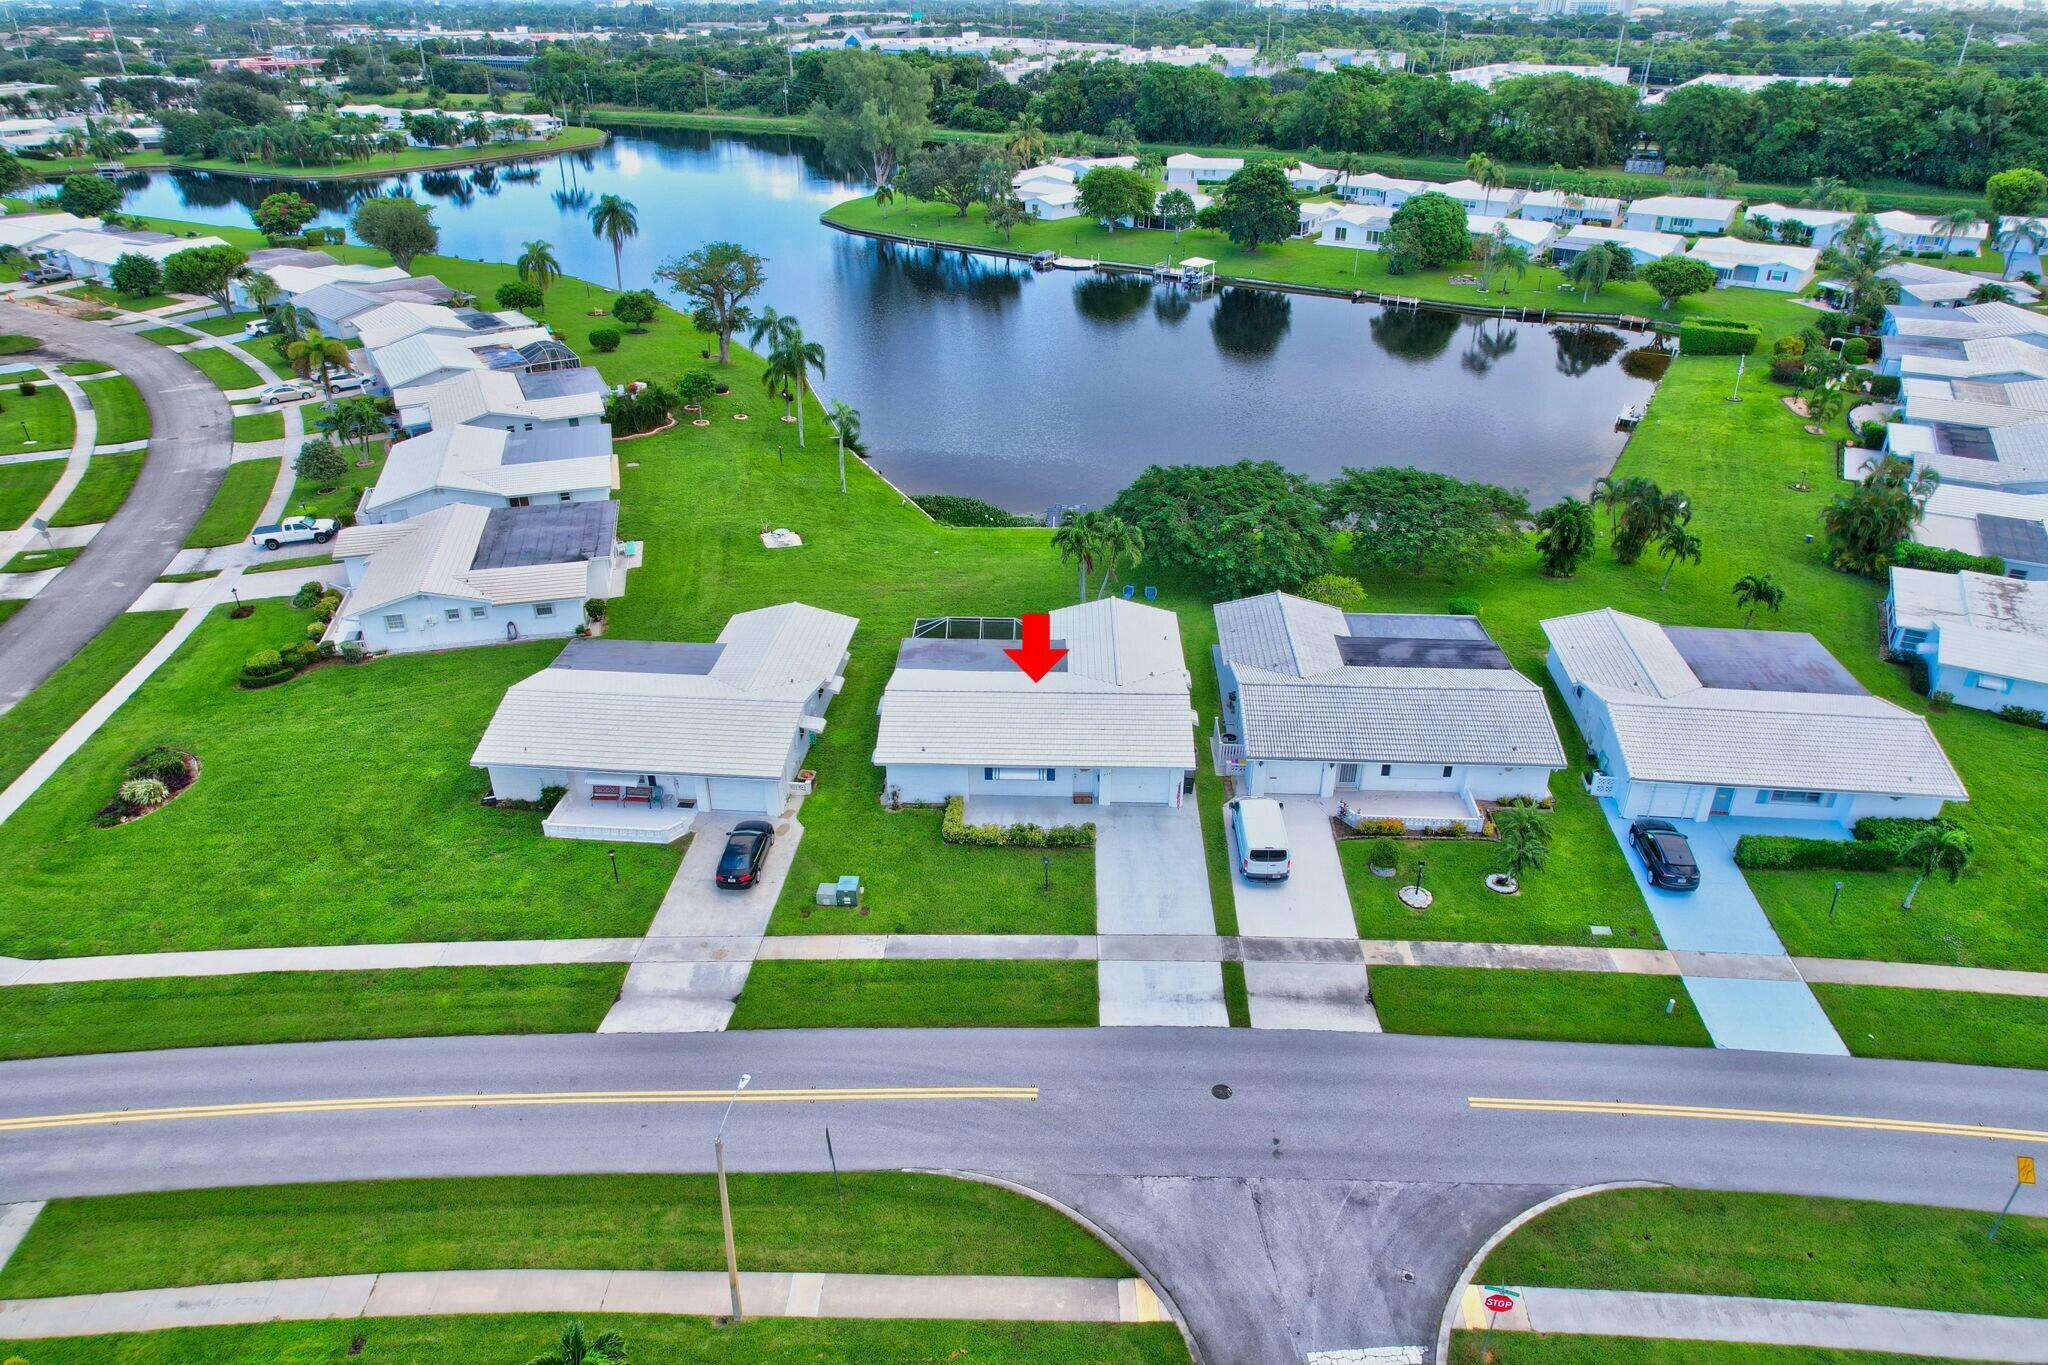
(1929, 286)
(1642, 247)
(1694, 723)
(491, 467)
(1972, 441)
(434, 357)
(1081, 165)
(1050, 199)
(1184, 170)
(1814, 227)
(1310, 179)
(1562, 206)
(1111, 724)
(90, 254)
(1757, 265)
(514, 400)
(2014, 234)
(1477, 198)
(1390, 191)
(338, 309)
(1360, 226)
(1412, 718)
(1989, 521)
(643, 734)
(1985, 638)
(1535, 235)
(1963, 323)
(395, 320)
(1687, 214)
(468, 575)
(294, 280)
(1923, 234)
(25, 231)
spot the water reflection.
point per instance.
(1112, 300)
(1414, 335)
(1582, 350)
(1492, 339)
(1249, 323)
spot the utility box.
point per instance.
(842, 894)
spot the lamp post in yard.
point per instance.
(732, 1256)
(1833, 901)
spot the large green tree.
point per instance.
(2017, 193)
(88, 196)
(1241, 528)
(945, 173)
(395, 223)
(1418, 520)
(1258, 206)
(1425, 233)
(1675, 277)
(873, 111)
(1110, 194)
(207, 270)
(718, 278)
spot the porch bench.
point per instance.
(604, 791)
(638, 796)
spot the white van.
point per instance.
(1261, 834)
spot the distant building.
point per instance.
(1985, 639)
(1492, 74)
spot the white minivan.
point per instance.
(1261, 834)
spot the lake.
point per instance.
(975, 375)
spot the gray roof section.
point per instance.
(2013, 538)
(560, 383)
(963, 656)
(555, 534)
(1395, 625)
(270, 257)
(556, 443)
(1762, 661)
(1427, 651)
(675, 658)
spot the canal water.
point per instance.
(976, 375)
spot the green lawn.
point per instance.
(337, 808)
(23, 488)
(167, 336)
(34, 722)
(195, 576)
(283, 565)
(239, 502)
(1585, 883)
(123, 416)
(41, 421)
(898, 994)
(332, 500)
(259, 426)
(495, 1340)
(223, 369)
(1500, 1002)
(35, 561)
(1781, 1247)
(1301, 261)
(84, 367)
(1938, 1026)
(1563, 1348)
(114, 298)
(411, 159)
(102, 491)
(23, 376)
(301, 1007)
(891, 1223)
(223, 325)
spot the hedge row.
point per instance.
(954, 829)
(1717, 336)
(1911, 554)
(952, 509)
(1879, 844)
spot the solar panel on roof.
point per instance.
(2013, 538)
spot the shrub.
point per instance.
(595, 608)
(1918, 677)
(1381, 828)
(320, 462)
(1463, 606)
(604, 340)
(1383, 853)
(954, 829)
(1025, 835)
(1784, 852)
(142, 793)
(301, 655)
(1893, 833)
(1335, 589)
(1793, 346)
(311, 591)
(2023, 715)
(28, 388)
(1940, 701)
(1884, 387)
(162, 764)
(952, 509)
(1856, 350)
(265, 668)
(1788, 370)
(635, 308)
(518, 294)
(1871, 437)
(1071, 836)
(1911, 554)
(1209, 216)
(352, 651)
(696, 386)
(1717, 336)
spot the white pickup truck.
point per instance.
(292, 530)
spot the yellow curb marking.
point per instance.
(1784, 1116)
(500, 1101)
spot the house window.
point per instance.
(1991, 683)
(1018, 774)
(518, 502)
(1386, 770)
(454, 613)
(575, 421)
(1912, 639)
(479, 613)
(1447, 770)
(544, 609)
(562, 497)
(1776, 276)
(1791, 798)
(395, 624)
(1342, 233)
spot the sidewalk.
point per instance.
(692, 1293)
(86, 429)
(1768, 1322)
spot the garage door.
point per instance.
(737, 794)
(1669, 800)
(1289, 778)
(1141, 786)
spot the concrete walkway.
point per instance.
(1769, 1322)
(692, 1293)
(15, 1221)
(85, 430)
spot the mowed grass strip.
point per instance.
(259, 426)
(303, 1007)
(1501, 1002)
(1938, 1026)
(34, 723)
(167, 336)
(23, 488)
(100, 493)
(78, 368)
(123, 416)
(225, 325)
(485, 1339)
(35, 561)
(1564, 1348)
(222, 368)
(898, 994)
(39, 421)
(1777, 1246)
(891, 1223)
(234, 509)
(339, 807)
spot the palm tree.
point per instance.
(1026, 139)
(1590, 268)
(616, 221)
(260, 289)
(1564, 536)
(313, 351)
(1121, 543)
(1524, 841)
(1824, 191)
(1858, 260)
(1348, 165)
(1503, 256)
(1936, 848)
(1824, 403)
(537, 265)
(1676, 542)
(1488, 174)
(884, 196)
(846, 423)
(789, 368)
(2030, 230)
(573, 1349)
(772, 325)
(1079, 539)
(106, 142)
(1754, 590)
(1954, 224)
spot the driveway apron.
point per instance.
(1151, 880)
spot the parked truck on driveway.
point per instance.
(292, 530)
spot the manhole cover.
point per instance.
(1221, 1092)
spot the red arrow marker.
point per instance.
(1037, 656)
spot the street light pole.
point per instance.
(732, 1256)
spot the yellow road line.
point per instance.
(265, 1108)
(1793, 1117)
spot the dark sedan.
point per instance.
(746, 848)
(1667, 857)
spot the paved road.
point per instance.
(188, 457)
(1328, 1202)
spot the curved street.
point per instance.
(189, 448)
(1328, 1202)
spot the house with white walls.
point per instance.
(491, 467)
(1811, 227)
(1568, 209)
(1985, 638)
(1385, 191)
(1184, 170)
(1697, 723)
(1359, 226)
(1414, 718)
(521, 400)
(1686, 214)
(1757, 265)
(1478, 198)
(1111, 724)
(1306, 178)
(90, 253)
(1642, 247)
(642, 735)
(1923, 234)
(1536, 236)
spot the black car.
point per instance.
(1667, 857)
(746, 848)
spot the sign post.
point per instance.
(2022, 1175)
(1499, 1299)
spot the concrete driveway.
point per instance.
(1312, 903)
(1151, 880)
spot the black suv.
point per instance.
(1666, 855)
(746, 848)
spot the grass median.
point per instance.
(100, 493)
(23, 488)
(234, 509)
(1565, 1007)
(39, 421)
(915, 994)
(1564, 1348)
(222, 368)
(118, 405)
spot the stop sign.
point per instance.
(1498, 1303)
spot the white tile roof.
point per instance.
(739, 719)
(26, 229)
(1971, 322)
(471, 459)
(300, 279)
(1670, 728)
(1729, 252)
(1805, 217)
(1685, 206)
(1928, 284)
(1986, 622)
(487, 394)
(1533, 233)
(1950, 519)
(1299, 699)
(1655, 245)
(1373, 180)
(1188, 161)
(396, 321)
(1120, 702)
(407, 362)
(104, 248)
(1504, 199)
(1905, 224)
(1594, 205)
(431, 554)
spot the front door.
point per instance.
(1347, 775)
(1724, 801)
